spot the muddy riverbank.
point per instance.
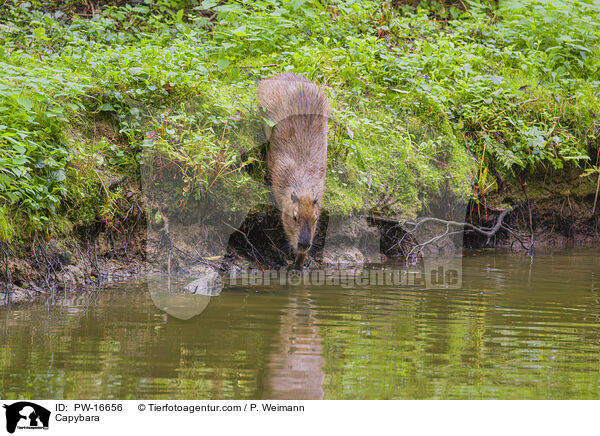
(107, 256)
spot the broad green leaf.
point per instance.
(297, 4)
(40, 34)
(207, 4)
(240, 31)
(222, 64)
(25, 102)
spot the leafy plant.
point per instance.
(519, 82)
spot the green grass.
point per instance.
(421, 106)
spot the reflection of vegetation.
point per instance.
(536, 335)
(126, 348)
(519, 341)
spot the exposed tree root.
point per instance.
(452, 228)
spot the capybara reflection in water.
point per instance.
(298, 111)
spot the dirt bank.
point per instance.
(95, 258)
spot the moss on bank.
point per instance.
(456, 102)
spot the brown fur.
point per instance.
(297, 156)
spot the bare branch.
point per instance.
(412, 226)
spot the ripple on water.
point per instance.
(517, 328)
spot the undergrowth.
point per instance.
(425, 101)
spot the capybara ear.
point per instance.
(295, 198)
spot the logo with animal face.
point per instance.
(26, 415)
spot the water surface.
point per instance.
(519, 327)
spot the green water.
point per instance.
(518, 327)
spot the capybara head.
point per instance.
(300, 215)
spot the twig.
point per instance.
(509, 230)
(486, 231)
(257, 255)
(530, 100)
(467, 227)
(431, 241)
(530, 218)
(597, 184)
(257, 66)
(8, 278)
(102, 181)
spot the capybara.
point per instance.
(297, 111)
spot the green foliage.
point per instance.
(6, 229)
(33, 109)
(562, 37)
(515, 86)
